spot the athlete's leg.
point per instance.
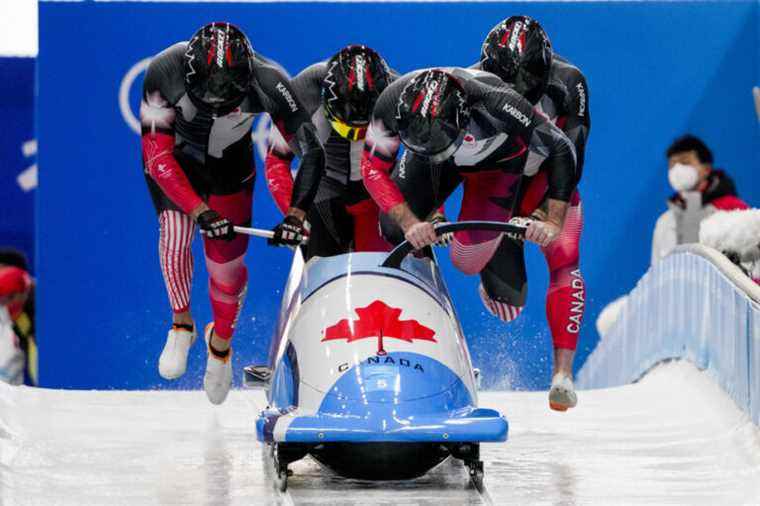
(175, 238)
(565, 300)
(331, 225)
(175, 256)
(503, 281)
(366, 219)
(488, 195)
(228, 275)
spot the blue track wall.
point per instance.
(17, 154)
(655, 70)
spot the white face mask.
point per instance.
(683, 177)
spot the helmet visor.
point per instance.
(439, 155)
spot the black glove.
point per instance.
(290, 232)
(214, 226)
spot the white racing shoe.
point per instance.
(173, 360)
(218, 378)
(562, 394)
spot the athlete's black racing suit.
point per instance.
(343, 216)
(505, 140)
(192, 155)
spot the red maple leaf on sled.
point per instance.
(378, 320)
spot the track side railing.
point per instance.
(696, 305)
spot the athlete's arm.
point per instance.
(157, 122)
(560, 166)
(576, 122)
(380, 151)
(277, 172)
(307, 87)
(545, 140)
(292, 120)
(381, 147)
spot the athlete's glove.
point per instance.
(214, 226)
(443, 239)
(290, 232)
(518, 221)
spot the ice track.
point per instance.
(672, 438)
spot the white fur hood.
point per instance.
(735, 231)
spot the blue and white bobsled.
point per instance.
(369, 370)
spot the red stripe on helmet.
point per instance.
(505, 38)
(351, 78)
(418, 100)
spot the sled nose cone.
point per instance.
(386, 402)
(398, 378)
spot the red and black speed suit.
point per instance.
(566, 103)
(343, 216)
(505, 140)
(191, 155)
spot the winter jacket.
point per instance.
(686, 210)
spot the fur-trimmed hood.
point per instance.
(734, 231)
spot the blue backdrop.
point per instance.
(18, 151)
(655, 70)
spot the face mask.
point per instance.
(683, 177)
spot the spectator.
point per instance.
(17, 332)
(700, 190)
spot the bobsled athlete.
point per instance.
(520, 53)
(199, 101)
(339, 95)
(468, 126)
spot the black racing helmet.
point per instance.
(520, 53)
(218, 67)
(356, 75)
(433, 114)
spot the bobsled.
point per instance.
(369, 370)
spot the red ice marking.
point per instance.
(378, 320)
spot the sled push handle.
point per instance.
(400, 252)
(254, 232)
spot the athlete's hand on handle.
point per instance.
(443, 239)
(290, 232)
(418, 233)
(542, 232)
(421, 234)
(214, 226)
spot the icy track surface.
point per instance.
(673, 438)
